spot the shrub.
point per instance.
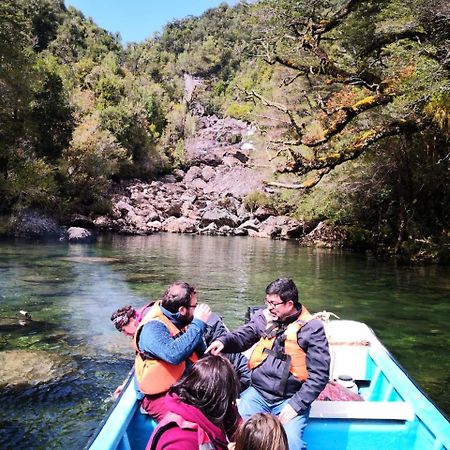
(255, 200)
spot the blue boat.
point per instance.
(395, 413)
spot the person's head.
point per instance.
(261, 432)
(282, 298)
(124, 319)
(180, 298)
(211, 386)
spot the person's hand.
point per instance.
(202, 312)
(231, 445)
(215, 348)
(287, 414)
(118, 391)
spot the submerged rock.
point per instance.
(23, 367)
(91, 259)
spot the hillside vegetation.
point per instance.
(351, 100)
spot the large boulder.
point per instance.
(35, 225)
(220, 217)
(79, 235)
(181, 225)
(281, 227)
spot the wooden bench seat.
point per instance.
(362, 410)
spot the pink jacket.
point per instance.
(187, 438)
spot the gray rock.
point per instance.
(178, 174)
(103, 222)
(211, 229)
(169, 178)
(123, 207)
(154, 226)
(280, 226)
(262, 213)
(198, 183)
(252, 224)
(208, 173)
(135, 222)
(247, 146)
(224, 230)
(173, 209)
(79, 235)
(240, 232)
(35, 225)
(237, 181)
(182, 225)
(220, 217)
(193, 173)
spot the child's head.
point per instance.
(261, 432)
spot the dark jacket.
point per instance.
(175, 438)
(267, 378)
(215, 328)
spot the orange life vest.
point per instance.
(175, 420)
(155, 376)
(291, 347)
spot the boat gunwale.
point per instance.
(128, 384)
(429, 414)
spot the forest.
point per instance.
(351, 99)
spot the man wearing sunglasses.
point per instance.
(289, 363)
(168, 340)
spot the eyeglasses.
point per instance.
(274, 305)
(192, 306)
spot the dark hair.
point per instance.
(261, 432)
(285, 288)
(212, 386)
(122, 316)
(178, 294)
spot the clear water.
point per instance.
(71, 291)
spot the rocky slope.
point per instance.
(208, 198)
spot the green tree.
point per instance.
(51, 112)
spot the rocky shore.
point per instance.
(222, 167)
(208, 197)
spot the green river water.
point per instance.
(79, 358)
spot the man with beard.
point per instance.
(166, 347)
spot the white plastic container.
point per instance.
(348, 382)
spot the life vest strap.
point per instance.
(159, 432)
(269, 332)
(275, 354)
(285, 374)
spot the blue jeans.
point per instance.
(252, 402)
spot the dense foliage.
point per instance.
(352, 99)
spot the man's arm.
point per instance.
(156, 340)
(242, 338)
(313, 340)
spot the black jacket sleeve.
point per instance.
(313, 341)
